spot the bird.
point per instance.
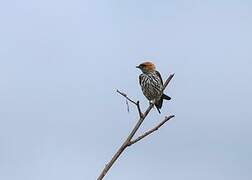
(152, 84)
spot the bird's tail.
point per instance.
(164, 96)
(160, 102)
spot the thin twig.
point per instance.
(132, 101)
(151, 130)
(168, 81)
(139, 110)
(127, 104)
(125, 95)
(133, 132)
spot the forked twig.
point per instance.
(135, 103)
(151, 130)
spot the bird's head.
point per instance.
(147, 67)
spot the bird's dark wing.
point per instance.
(159, 75)
(140, 79)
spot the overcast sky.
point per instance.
(62, 61)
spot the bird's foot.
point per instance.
(152, 102)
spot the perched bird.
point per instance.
(152, 84)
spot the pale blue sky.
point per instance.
(62, 61)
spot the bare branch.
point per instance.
(125, 95)
(139, 110)
(137, 104)
(168, 81)
(133, 132)
(127, 103)
(151, 130)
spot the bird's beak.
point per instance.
(137, 67)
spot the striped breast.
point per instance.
(151, 85)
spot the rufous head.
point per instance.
(147, 67)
